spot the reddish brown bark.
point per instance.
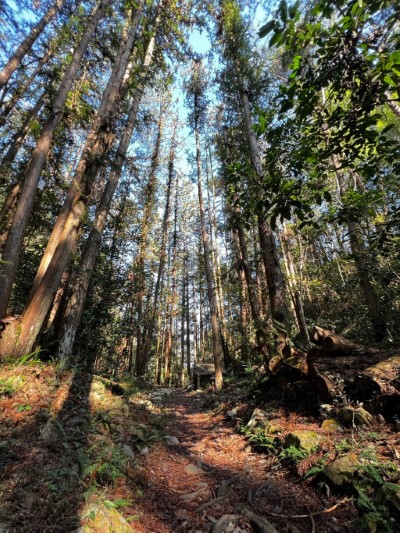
(22, 214)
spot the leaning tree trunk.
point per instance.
(68, 224)
(16, 233)
(371, 298)
(80, 286)
(20, 135)
(295, 293)
(97, 143)
(20, 90)
(26, 46)
(252, 295)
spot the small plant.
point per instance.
(7, 387)
(317, 468)
(117, 504)
(108, 466)
(376, 517)
(343, 446)
(292, 454)
(376, 479)
(25, 407)
(11, 385)
(259, 438)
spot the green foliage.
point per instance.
(292, 454)
(8, 386)
(259, 437)
(375, 478)
(104, 466)
(343, 446)
(317, 468)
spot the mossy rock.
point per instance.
(273, 430)
(331, 425)
(342, 470)
(99, 518)
(303, 440)
(355, 417)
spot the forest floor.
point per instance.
(75, 455)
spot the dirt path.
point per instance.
(190, 485)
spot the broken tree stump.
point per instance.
(380, 384)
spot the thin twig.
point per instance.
(211, 502)
(313, 530)
(325, 511)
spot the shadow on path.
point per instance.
(181, 499)
(42, 490)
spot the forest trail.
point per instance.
(213, 471)
(80, 453)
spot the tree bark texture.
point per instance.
(208, 269)
(25, 47)
(22, 214)
(269, 254)
(65, 235)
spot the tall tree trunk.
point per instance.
(97, 144)
(80, 286)
(161, 264)
(26, 46)
(16, 233)
(172, 304)
(295, 293)
(75, 206)
(183, 316)
(187, 310)
(244, 314)
(207, 266)
(269, 255)
(149, 205)
(19, 136)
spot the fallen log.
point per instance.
(317, 335)
(334, 344)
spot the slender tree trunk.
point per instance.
(16, 233)
(187, 310)
(183, 315)
(9, 206)
(194, 318)
(357, 249)
(269, 255)
(19, 137)
(149, 205)
(253, 300)
(159, 351)
(172, 306)
(208, 268)
(161, 264)
(244, 314)
(20, 90)
(26, 46)
(295, 293)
